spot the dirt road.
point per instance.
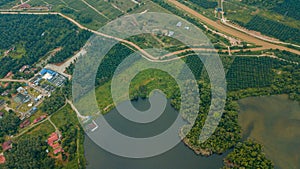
(231, 31)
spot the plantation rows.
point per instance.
(205, 3)
(289, 8)
(273, 28)
(48, 33)
(246, 72)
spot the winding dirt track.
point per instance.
(228, 30)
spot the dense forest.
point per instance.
(77, 39)
(246, 155)
(29, 152)
(110, 62)
(226, 135)
(9, 124)
(30, 43)
(273, 28)
(57, 99)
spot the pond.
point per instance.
(177, 158)
(273, 121)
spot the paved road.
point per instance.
(231, 31)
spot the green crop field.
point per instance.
(123, 5)
(106, 9)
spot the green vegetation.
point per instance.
(273, 28)
(264, 3)
(148, 41)
(287, 55)
(247, 72)
(289, 8)
(110, 62)
(206, 7)
(247, 76)
(72, 137)
(5, 3)
(77, 10)
(77, 39)
(206, 3)
(42, 130)
(106, 8)
(247, 154)
(123, 5)
(215, 39)
(226, 135)
(275, 18)
(29, 152)
(56, 101)
(149, 80)
(283, 79)
(49, 32)
(9, 124)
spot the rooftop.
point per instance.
(6, 145)
(2, 159)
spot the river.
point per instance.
(273, 121)
(177, 158)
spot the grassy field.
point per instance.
(94, 13)
(43, 130)
(239, 12)
(77, 10)
(123, 5)
(149, 6)
(106, 8)
(144, 81)
(150, 79)
(207, 11)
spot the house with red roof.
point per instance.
(39, 119)
(9, 74)
(6, 145)
(53, 142)
(53, 137)
(25, 6)
(25, 123)
(58, 150)
(2, 159)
